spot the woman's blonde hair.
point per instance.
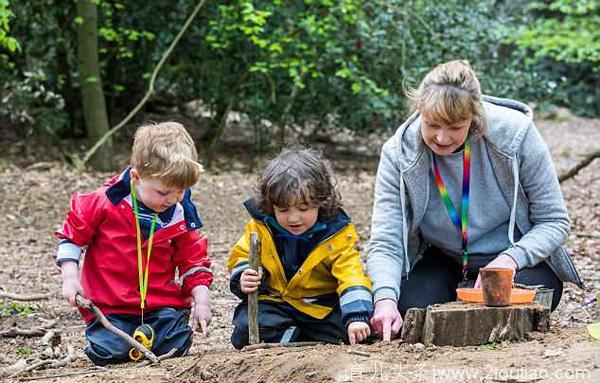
(450, 93)
(166, 152)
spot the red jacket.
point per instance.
(103, 221)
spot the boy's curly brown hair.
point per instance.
(298, 173)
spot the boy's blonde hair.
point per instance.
(166, 151)
(450, 93)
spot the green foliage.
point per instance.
(564, 35)
(15, 308)
(6, 41)
(23, 351)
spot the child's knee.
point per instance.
(106, 353)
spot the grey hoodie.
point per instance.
(538, 225)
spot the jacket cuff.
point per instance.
(518, 255)
(385, 293)
(359, 317)
(197, 278)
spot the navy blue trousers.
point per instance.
(171, 331)
(275, 318)
(436, 276)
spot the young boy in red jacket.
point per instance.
(140, 230)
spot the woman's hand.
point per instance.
(386, 321)
(357, 332)
(503, 261)
(250, 280)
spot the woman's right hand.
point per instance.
(386, 320)
(250, 280)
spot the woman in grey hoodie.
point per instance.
(435, 224)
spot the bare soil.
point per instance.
(33, 202)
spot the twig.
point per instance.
(24, 297)
(253, 333)
(584, 234)
(259, 346)
(161, 357)
(93, 370)
(149, 92)
(88, 305)
(34, 331)
(191, 367)
(51, 364)
(580, 165)
(361, 353)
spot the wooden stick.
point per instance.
(52, 364)
(580, 165)
(279, 345)
(24, 297)
(88, 305)
(161, 357)
(360, 353)
(34, 331)
(253, 334)
(584, 234)
(93, 370)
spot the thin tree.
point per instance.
(94, 105)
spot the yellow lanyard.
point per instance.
(142, 274)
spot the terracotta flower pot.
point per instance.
(496, 284)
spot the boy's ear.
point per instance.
(134, 175)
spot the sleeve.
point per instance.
(547, 210)
(67, 252)
(192, 261)
(354, 287)
(385, 260)
(85, 215)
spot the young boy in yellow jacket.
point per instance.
(312, 285)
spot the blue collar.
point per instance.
(306, 236)
(120, 189)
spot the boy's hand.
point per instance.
(250, 280)
(202, 313)
(358, 331)
(71, 285)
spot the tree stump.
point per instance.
(471, 324)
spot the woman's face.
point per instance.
(444, 139)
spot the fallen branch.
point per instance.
(51, 364)
(88, 305)
(360, 353)
(259, 346)
(34, 331)
(582, 164)
(584, 234)
(24, 297)
(161, 357)
(93, 370)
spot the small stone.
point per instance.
(419, 346)
(205, 375)
(47, 353)
(552, 353)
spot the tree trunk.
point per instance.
(94, 106)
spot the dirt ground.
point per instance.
(33, 202)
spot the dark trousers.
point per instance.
(436, 276)
(275, 318)
(170, 327)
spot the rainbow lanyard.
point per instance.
(462, 222)
(142, 274)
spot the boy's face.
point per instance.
(298, 217)
(155, 194)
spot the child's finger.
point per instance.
(352, 338)
(203, 328)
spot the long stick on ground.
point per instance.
(24, 297)
(88, 305)
(253, 335)
(580, 165)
